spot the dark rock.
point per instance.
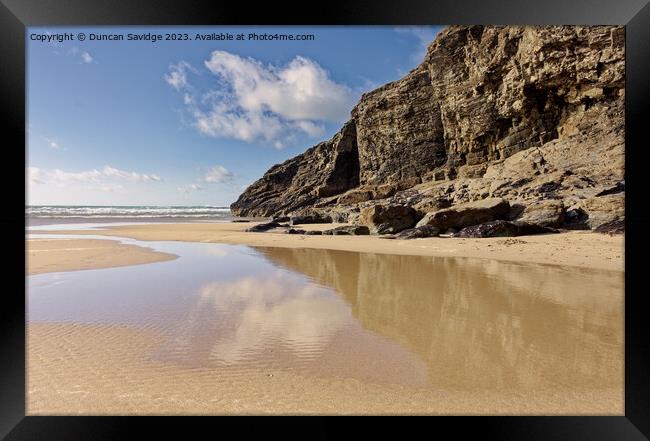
(418, 232)
(353, 230)
(312, 218)
(618, 188)
(613, 227)
(527, 229)
(501, 228)
(259, 228)
(314, 233)
(241, 220)
(549, 187)
(463, 215)
(281, 219)
(295, 231)
(576, 219)
(388, 219)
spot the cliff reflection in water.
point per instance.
(481, 324)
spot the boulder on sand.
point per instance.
(259, 228)
(614, 227)
(468, 214)
(547, 213)
(418, 232)
(501, 228)
(352, 230)
(390, 219)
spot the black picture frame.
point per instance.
(16, 15)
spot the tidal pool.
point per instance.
(435, 325)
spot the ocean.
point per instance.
(54, 214)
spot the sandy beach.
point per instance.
(583, 249)
(103, 373)
(53, 255)
(116, 369)
(450, 242)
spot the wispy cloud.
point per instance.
(218, 174)
(83, 56)
(263, 102)
(52, 143)
(177, 76)
(86, 58)
(187, 189)
(103, 177)
(130, 176)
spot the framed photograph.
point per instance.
(386, 209)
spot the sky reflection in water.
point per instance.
(420, 321)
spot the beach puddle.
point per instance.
(234, 316)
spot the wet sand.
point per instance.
(400, 330)
(575, 248)
(47, 255)
(103, 370)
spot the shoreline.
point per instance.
(57, 255)
(583, 249)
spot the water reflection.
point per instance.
(479, 323)
(254, 313)
(446, 323)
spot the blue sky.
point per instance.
(192, 122)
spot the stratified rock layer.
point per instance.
(534, 115)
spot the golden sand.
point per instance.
(53, 255)
(576, 248)
(108, 370)
(472, 352)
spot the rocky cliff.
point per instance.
(533, 115)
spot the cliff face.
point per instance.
(525, 113)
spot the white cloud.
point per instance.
(258, 102)
(35, 175)
(312, 129)
(424, 35)
(101, 177)
(131, 176)
(223, 121)
(177, 76)
(52, 143)
(86, 57)
(187, 189)
(218, 174)
(301, 90)
(266, 314)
